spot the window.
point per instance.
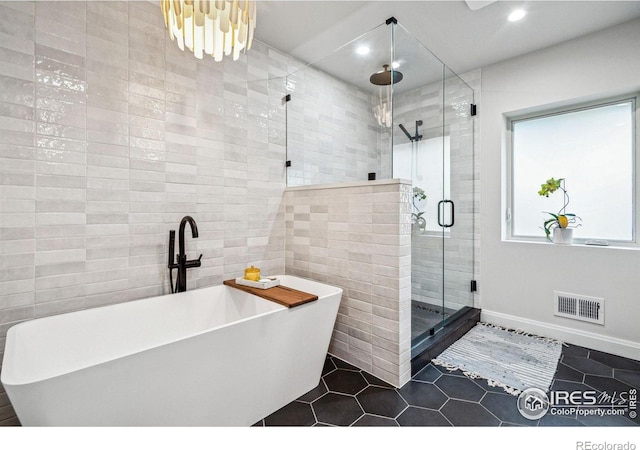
(593, 148)
(428, 164)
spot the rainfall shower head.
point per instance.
(383, 78)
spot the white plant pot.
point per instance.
(563, 236)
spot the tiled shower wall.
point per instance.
(109, 135)
(332, 135)
(358, 236)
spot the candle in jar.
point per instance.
(252, 273)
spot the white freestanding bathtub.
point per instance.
(208, 357)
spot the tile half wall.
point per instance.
(358, 236)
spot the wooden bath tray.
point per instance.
(280, 294)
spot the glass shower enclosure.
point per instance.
(433, 146)
(383, 106)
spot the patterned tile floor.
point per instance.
(348, 396)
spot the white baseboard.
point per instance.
(615, 346)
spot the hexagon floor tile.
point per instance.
(381, 401)
(348, 396)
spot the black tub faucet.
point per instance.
(183, 264)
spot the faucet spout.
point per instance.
(183, 264)
(194, 232)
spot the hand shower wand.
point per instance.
(172, 265)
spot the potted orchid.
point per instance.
(416, 217)
(562, 223)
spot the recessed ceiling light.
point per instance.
(362, 50)
(517, 15)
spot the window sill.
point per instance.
(613, 246)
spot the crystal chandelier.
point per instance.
(382, 108)
(213, 27)
(382, 111)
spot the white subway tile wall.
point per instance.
(109, 135)
(359, 238)
(332, 134)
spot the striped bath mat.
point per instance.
(512, 360)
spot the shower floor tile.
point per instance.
(437, 397)
(425, 316)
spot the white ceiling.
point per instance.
(463, 38)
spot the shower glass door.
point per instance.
(433, 147)
(459, 243)
(421, 154)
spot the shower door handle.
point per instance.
(441, 204)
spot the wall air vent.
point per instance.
(579, 307)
